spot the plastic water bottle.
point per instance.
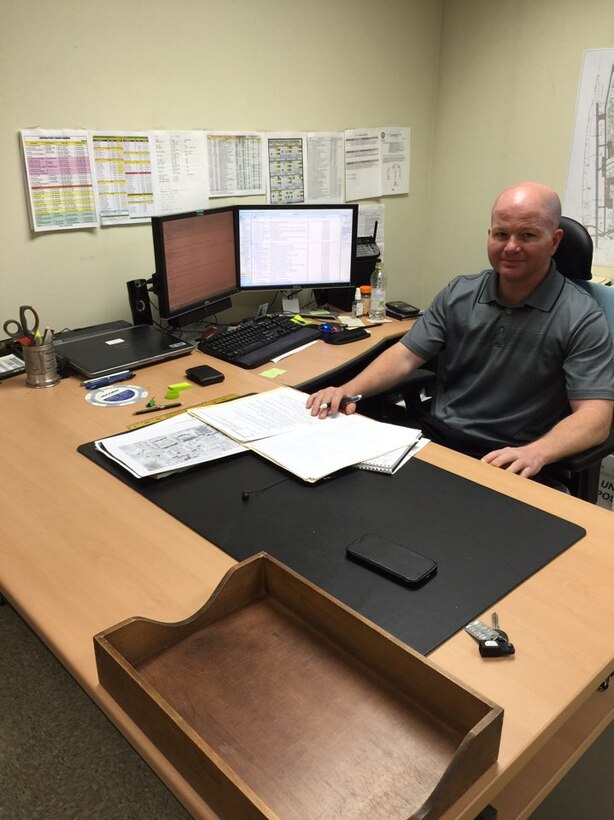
(377, 310)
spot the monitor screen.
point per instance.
(296, 246)
(195, 255)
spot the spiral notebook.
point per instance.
(388, 462)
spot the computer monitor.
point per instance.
(296, 246)
(196, 263)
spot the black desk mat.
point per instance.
(484, 542)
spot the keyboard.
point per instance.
(258, 340)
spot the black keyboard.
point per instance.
(258, 340)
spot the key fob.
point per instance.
(496, 648)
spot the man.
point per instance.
(525, 370)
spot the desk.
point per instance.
(79, 552)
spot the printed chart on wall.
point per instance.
(60, 179)
(589, 193)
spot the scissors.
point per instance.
(21, 330)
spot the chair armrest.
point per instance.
(585, 459)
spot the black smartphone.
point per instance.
(392, 559)
(203, 375)
(403, 309)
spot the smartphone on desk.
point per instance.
(391, 559)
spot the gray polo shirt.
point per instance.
(507, 372)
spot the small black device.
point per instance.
(203, 375)
(401, 310)
(391, 559)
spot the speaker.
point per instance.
(139, 302)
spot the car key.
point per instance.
(499, 646)
(493, 641)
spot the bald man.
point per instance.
(525, 373)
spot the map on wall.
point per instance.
(589, 193)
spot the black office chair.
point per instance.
(580, 472)
(574, 259)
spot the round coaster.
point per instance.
(116, 395)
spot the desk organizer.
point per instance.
(276, 700)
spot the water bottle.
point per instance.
(377, 309)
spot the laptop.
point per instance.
(101, 352)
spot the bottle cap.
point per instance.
(356, 293)
(365, 289)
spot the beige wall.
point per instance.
(488, 88)
(509, 77)
(263, 64)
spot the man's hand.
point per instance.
(588, 425)
(525, 461)
(328, 401)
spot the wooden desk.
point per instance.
(80, 552)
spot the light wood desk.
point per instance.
(79, 552)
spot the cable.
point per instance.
(245, 494)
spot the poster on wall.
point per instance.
(123, 176)
(395, 161)
(286, 168)
(589, 192)
(60, 179)
(324, 168)
(236, 163)
(180, 176)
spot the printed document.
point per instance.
(167, 446)
(277, 425)
(314, 452)
(259, 416)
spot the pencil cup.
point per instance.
(41, 365)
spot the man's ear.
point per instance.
(556, 238)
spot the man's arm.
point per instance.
(390, 367)
(588, 425)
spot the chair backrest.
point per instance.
(574, 255)
(604, 295)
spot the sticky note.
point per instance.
(180, 386)
(272, 373)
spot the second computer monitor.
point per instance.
(196, 267)
(296, 246)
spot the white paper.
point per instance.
(236, 163)
(324, 168)
(60, 179)
(265, 414)
(395, 161)
(286, 172)
(124, 176)
(180, 181)
(336, 442)
(363, 174)
(167, 446)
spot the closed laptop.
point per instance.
(121, 348)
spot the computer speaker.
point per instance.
(139, 302)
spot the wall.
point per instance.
(509, 77)
(269, 65)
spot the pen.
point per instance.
(157, 407)
(348, 400)
(102, 381)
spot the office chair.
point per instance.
(573, 259)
